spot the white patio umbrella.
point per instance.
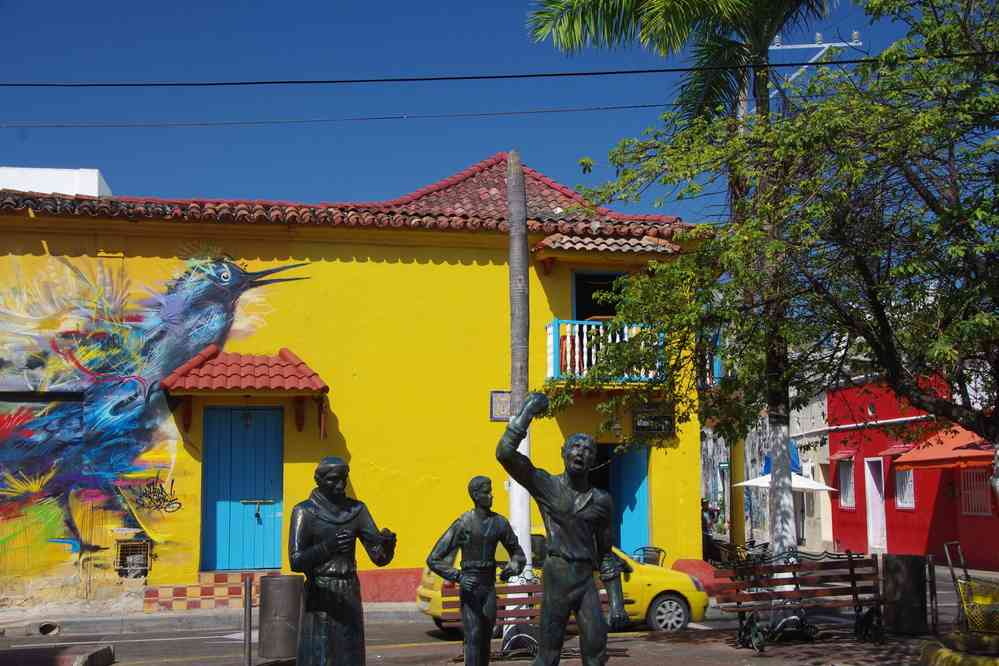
(798, 482)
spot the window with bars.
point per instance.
(845, 476)
(975, 499)
(905, 489)
(808, 471)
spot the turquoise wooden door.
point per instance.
(630, 489)
(242, 467)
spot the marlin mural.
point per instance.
(97, 344)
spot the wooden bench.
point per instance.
(773, 598)
(516, 605)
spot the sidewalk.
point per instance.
(33, 624)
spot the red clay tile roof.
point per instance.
(628, 245)
(214, 370)
(472, 200)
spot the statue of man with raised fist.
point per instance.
(578, 522)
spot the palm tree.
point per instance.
(727, 38)
(729, 42)
(520, 309)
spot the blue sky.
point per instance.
(356, 161)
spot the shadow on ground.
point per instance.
(839, 644)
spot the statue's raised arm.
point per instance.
(515, 463)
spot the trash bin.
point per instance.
(280, 611)
(905, 594)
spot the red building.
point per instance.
(904, 498)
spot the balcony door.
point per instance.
(585, 286)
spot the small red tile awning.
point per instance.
(949, 448)
(213, 370)
(897, 449)
(568, 243)
(844, 454)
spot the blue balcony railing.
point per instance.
(573, 346)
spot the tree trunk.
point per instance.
(520, 503)
(778, 420)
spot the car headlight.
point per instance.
(697, 584)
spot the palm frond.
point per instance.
(718, 86)
(660, 25)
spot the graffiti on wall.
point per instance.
(87, 443)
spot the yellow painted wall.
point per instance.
(411, 332)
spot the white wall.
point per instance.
(88, 182)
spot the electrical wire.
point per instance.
(453, 78)
(28, 124)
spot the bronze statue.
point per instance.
(578, 522)
(324, 530)
(476, 533)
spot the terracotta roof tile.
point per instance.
(211, 370)
(471, 200)
(585, 244)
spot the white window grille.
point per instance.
(905, 489)
(975, 500)
(845, 474)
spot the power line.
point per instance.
(451, 78)
(27, 124)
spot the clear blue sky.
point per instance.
(358, 161)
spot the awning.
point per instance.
(845, 454)
(948, 448)
(212, 372)
(897, 449)
(798, 482)
(792, 452)
(215, 371)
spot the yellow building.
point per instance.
(165, 395)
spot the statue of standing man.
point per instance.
(476, 533)
(578, 522)
(324, 533)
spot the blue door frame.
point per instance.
(629, 481)
(242, 488)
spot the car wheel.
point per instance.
(449, 629)
(668, 612)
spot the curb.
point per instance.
(74, 656)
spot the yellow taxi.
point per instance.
(663, 599)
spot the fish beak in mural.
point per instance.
(256, 281)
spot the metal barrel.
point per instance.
(905, 594)
(280, 610)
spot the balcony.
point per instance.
(573, 346)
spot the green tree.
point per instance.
(875, 199)
(729, 42)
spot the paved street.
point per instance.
(404, 638)
(222, 648)
(413, 643)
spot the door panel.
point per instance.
(877, 538)
(630, 490)
(242, 488)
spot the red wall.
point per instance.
(936, 517)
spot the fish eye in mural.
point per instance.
(86, 435)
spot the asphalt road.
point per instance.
(225, 648)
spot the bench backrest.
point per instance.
(515, 603)
(841, 582)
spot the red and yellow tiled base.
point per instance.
(213, 590)
(225, 590)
